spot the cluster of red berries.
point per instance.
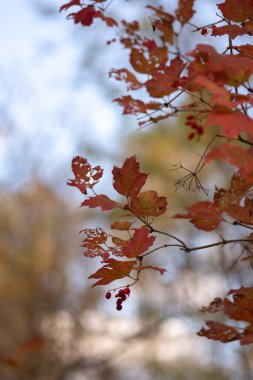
(198, 130)
(121, 296)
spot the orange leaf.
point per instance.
(122, 226)
(102, 201)
(112, 270)
(147, 203)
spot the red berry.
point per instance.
(108, 295)
(123, 297)
(200, 131)
(203, 31)
(121, 292)
(119, 307)
(191, 136)
(127, 291)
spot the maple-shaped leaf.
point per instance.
(185, 11)
(204, 215)
(147, 203)
(162, 83)
(135, 106)
(70, 4)
(231, 122)
(128, 180)
(87, 15)
(232, 31)
(112, 270)
(121, 226)
(102, 201)
(85, 176)
(237, 11)
(236, 156)
(220, 331)
(139, 243)
(126, 76)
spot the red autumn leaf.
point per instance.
(108, 20)
(70, 4)
(128, 180)
(239, 309)
(231, 122)
(121, 226)
(126, 76)
(87, 15)
(95, 250)
(185, 11)
(94, 235)
(147, 203)
(237, 11)
(112, 270)
(204, 215)
(134, 106)
(236, 156)
(162, 83)
(227, 69)
(247, 336)
(139, 62)
(93, 238)
(164, 23)
(85, 176)
(220, 96)
(246, 50)
(243, 214)
(219, 331)
(102, 201)
(229, 200)
(138, 244)
(232, 31)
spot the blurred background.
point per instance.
(56, 102)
